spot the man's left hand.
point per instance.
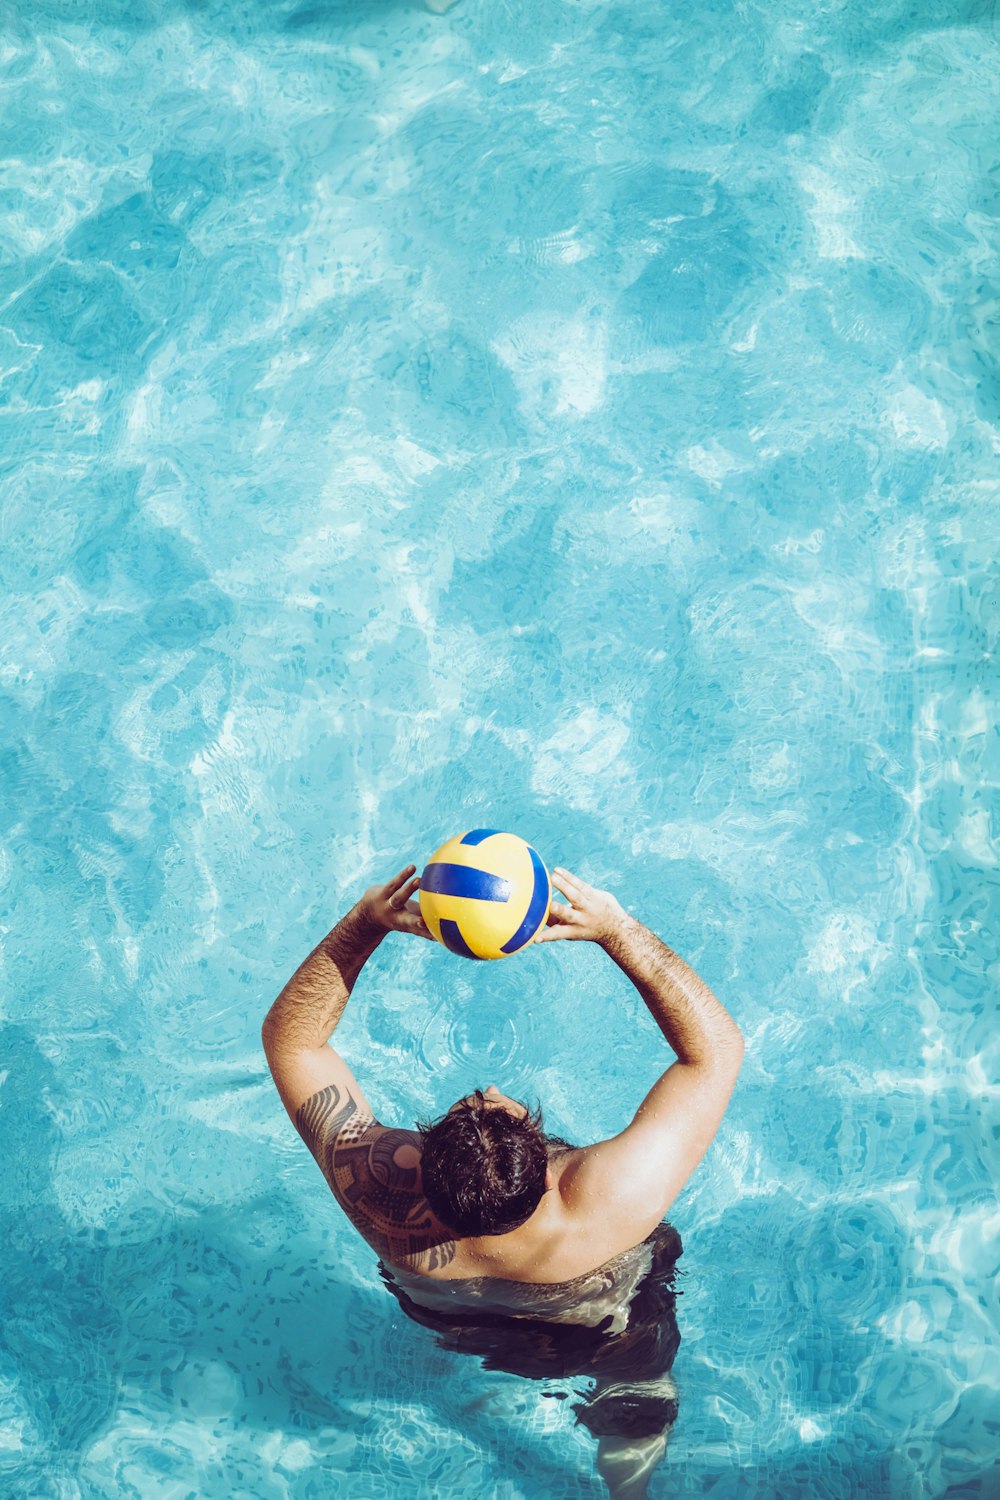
(390, 905)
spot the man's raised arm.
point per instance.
(638, 1173)
(300, 1022)
(698, 1027)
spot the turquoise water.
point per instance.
(576, 418)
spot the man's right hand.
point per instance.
(586, 912)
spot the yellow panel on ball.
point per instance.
(485, 894)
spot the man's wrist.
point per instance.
(366, 917)
(357, 929)
(616, 934)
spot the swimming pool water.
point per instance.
(576, 418)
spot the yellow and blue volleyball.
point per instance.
(485, 894)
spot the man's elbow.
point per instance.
(269, 1034)
(729, 1050)
(280, 1036)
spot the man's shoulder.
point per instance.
(606, 1209)
(373, 1171)
(331, 1117)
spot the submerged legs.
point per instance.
(631, 1421)
(625, 1464)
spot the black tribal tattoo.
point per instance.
(374, 1174)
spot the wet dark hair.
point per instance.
(483, 1169)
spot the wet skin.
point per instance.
(375, 1176)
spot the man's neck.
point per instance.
(501, 1251)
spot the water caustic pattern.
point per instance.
(573, 418)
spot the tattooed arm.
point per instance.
(298, 1026)
(373, 1172)
(313, 1000)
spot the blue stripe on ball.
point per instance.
(536, 907)
(453, 939)
(459, 880)
(477, 835)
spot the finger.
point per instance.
(560, 911)
(397, 880)
(568, 878)
(576, 882)
(400, 902)
(555, 928)
(410, 920)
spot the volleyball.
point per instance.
(485, 894)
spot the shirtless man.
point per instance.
(495, 1199)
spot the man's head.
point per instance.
(484, 1164)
